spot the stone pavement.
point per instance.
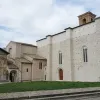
(49, 93)
(85, 98)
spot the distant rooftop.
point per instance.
(4, 51)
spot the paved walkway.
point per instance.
(85, 98)
(55, 94)
(98, 98)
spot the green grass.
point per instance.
(35, 86)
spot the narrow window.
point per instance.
(27, 70)
(85, 57)
(40, 65)
(60, 58)
(45, 77)
(84, 54)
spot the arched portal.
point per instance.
(13, 75)
(60, 74)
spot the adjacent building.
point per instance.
(3, 65)
(30, 64)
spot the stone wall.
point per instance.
(71, 43)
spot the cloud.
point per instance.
(29, 20)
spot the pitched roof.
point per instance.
(24, 43)
(36, 57)
(87, 13)
(24, 60)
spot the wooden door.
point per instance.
(60, 74)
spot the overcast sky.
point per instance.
(30, 20)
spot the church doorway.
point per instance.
(13, 75)
(60, 74)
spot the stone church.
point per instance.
(71, 55)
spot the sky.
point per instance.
(30, 20)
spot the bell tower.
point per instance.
(86, 18)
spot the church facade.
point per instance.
(71, 55)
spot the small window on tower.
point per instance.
(84, 21)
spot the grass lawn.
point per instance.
(35, 86)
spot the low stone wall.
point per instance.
(30, 94)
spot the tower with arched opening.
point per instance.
(86, 18)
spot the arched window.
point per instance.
(84, 21)
(60, 57)
(85, 57)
